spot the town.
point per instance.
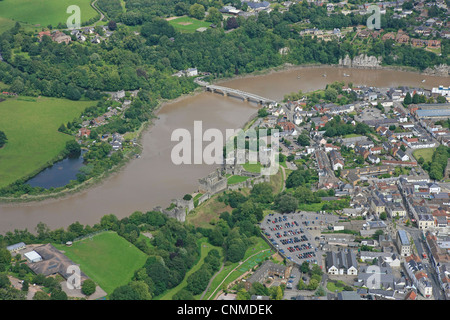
(396, 223)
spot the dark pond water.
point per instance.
(59, 174)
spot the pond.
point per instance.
(59, 174)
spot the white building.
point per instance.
(33, 256)
(191, 72)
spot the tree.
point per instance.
(316, 270)
(304, 267)
(331, 94)
(112, 25)
(183, 294)
(3, 139)
(73, 93)
(187, 197)
(276, 293)
(5, 256)
(181, 9)
(231, 23)
(301, 285)
(198, 281)
(243, 295)
(286, 203)
(4, 281)
(62, 128)
(73, 148)
(313, 284)
(214, 16)
(262, 113)
(421, 160)
(262, 193)
(303, 140)
(58, 294)
(197, 11)
(88, 287)
(408, 99)
(25, 286)
(41, 295)
(135, 290)
(441, 99)
(320, 292)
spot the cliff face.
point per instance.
(361, 61)
(441, 70)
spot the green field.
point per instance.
(31, 126)
(187, 24)
(107, 258)
(42, 12)
(252, 167)
(236, 179)
(426, 154)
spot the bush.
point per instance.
(88, 287)
(187, 197)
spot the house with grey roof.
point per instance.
(267, 269)
(16, 247)
(403, 243)
(378, 276)
(341, 262)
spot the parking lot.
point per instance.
(291, 234)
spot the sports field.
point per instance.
(31, 126)
(42, 12)
(107, 258)
(187, 24)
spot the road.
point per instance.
(102, 16)
(416, 235)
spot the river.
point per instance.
(153, 180)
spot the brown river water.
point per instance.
(153, 180)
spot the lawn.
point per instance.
(252, 167)
(187, 24)
(42, 12)
(31, 126)
(426, 154)
(311, 206)
(335, 286)
(107, 258)
(351, 135)
(236, 179)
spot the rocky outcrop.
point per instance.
(441, 70)
(361, 61)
